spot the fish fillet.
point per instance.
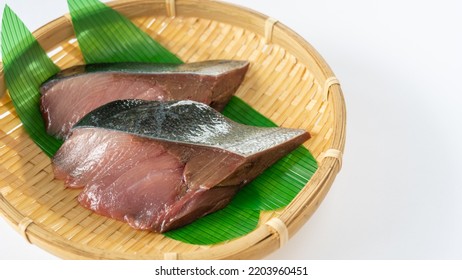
(161, 165)
(74, 92)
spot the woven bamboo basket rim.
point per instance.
(326, 121)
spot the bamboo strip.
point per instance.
(170, 5)
(23, 225)
(335, 154)
(269, 26)
(327, 84)
(280, 228)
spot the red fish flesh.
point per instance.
(161, 165)
(76, 91)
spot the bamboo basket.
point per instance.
(288, 82)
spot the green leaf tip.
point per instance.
(116, 39)
(26, 66)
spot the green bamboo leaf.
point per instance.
(241, 112)
(228, 223)
(27, 66)
(104, 35)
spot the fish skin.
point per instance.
(187, 122)
(158, 175)
(76, 91)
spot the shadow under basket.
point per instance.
(288, 82)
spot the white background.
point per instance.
(399, 194)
